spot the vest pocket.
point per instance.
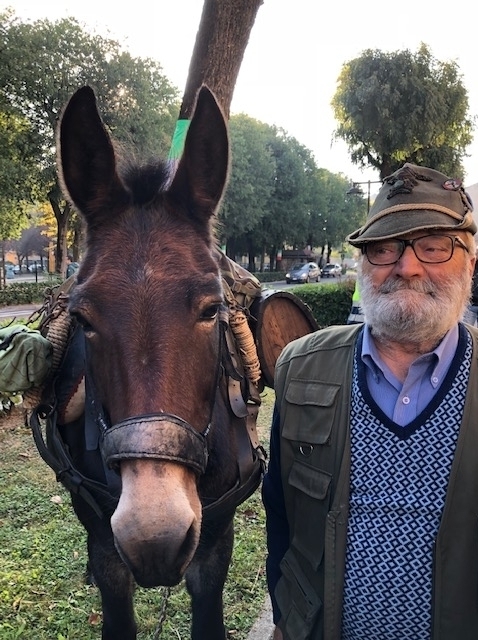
(308, 414)
(312, 503)
(308, 411)
(297, 599)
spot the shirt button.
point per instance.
(406, 400)
(435, 380)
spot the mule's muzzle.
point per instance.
(159, 436)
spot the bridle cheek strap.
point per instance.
(160, 436)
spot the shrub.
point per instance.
(329, 303)
(270, 276)
(26, 292)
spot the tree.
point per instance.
(32, 241)
(401, 107)
(288, 219)
(220, 44)
(18, 172)
(43, 63)
(269, 194)
(218, 51)
(251, 183)
(343, 213)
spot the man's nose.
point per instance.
(409, 265)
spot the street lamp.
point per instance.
(356, 190)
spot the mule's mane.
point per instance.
(144, 180)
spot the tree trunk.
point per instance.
(62, 219)
(231, 248)
(251, 253)
(217, 56)
(386, 167)
(3, 271)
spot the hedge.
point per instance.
(270, 276)
(330, 303)
(26, 292)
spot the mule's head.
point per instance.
(148, 296)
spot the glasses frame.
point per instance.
(456, 241)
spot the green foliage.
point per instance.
(251, 181)
(277, 196)
(269, 276)
(289, 211)
(338, 214)
(43, 557)
(330, 303)
(26, 292)
(18, 172)
(402, 106)
(42, 63)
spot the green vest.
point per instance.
(313, 388)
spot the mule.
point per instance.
(159, 460)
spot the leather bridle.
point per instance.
(162, 436)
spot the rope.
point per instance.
(245, 342)
(55, 327)
(243, 335)
(162, 613)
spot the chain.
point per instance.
(162, 613)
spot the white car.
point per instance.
(331, 270)
(303, 272)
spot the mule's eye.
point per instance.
(210, 312)
(83, 322)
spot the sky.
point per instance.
(294, 56)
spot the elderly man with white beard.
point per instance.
(371, 494)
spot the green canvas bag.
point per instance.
(25, 358)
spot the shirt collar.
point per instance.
(443, 354)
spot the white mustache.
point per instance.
(420, 286)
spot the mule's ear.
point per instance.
(86, 159)
(201, 176)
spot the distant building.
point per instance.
(294, 256)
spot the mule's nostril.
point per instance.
(187, 548)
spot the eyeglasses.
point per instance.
(432, 249)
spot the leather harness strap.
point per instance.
(137, 437)
(52, 449)
(248, 409)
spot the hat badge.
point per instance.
(452, 184)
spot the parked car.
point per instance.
(331, 270)
(303, 273)
(35, 266)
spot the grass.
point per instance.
(43, 594)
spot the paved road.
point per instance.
(18, 311)
(263, 626)
(27, 277)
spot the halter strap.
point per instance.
(161, 436)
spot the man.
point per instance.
(372, 489)
(355, 315)
(71, 266)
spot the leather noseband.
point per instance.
(161, 436)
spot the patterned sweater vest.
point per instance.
(399, 477)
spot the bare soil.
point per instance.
(12, 419)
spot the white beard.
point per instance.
(414, 311)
